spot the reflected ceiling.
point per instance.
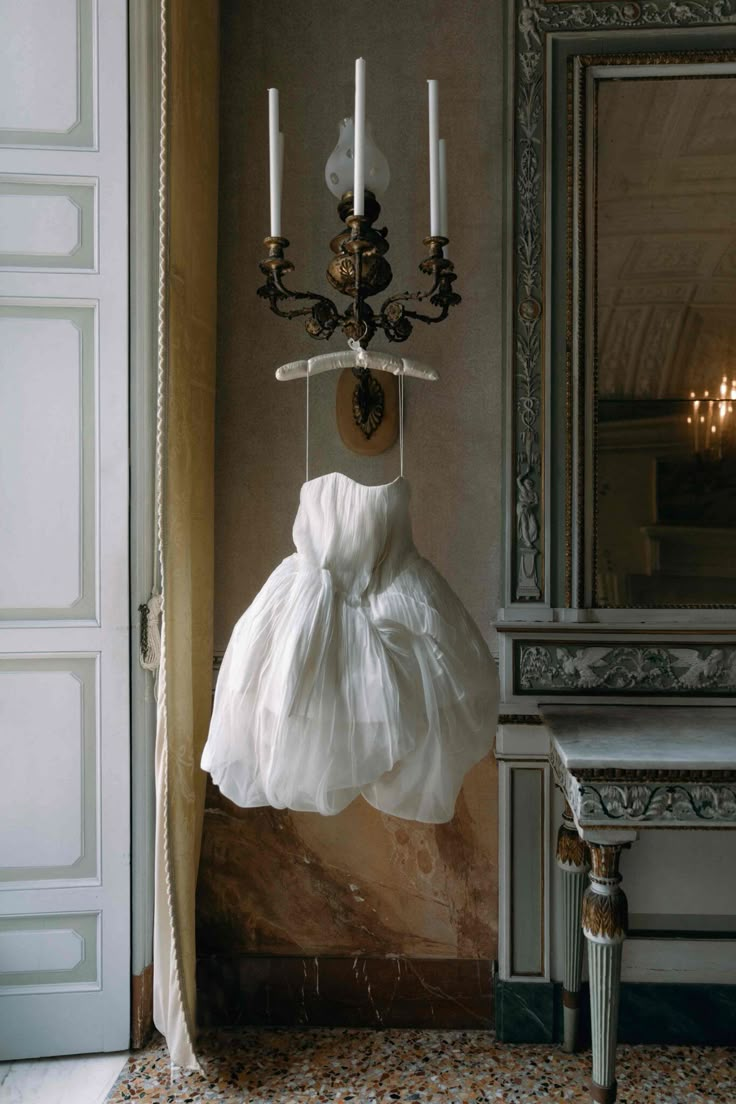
(666, 222)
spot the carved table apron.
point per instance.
(623, 769)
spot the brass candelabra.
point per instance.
(359, 270)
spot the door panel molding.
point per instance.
(53, 106)
(40, 711)
(48, 223)
(48, 417)
(50, 953)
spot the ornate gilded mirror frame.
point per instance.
(543, 535)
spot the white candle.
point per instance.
(434, 158)
(443, 186)
(274, 161)
(359, 137)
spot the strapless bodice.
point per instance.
(360, 534)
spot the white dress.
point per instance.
(356, 670)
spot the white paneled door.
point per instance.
(64, 624)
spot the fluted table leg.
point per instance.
(572, 859)
(605, 919)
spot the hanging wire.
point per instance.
(306, 459)
(401, 422)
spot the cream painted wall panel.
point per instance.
(47, 223)
(46, 462)
(682, 873)
(48, 104)
(527, 793)
(712, 962)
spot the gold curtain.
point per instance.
(186, 472)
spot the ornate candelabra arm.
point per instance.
(322, 315)
(396, 320)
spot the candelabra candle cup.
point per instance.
(275, 263)
(435, 243)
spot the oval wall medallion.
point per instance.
(385, 433)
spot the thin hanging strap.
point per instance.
(401, 421)
(306, 459)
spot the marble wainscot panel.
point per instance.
(359, 885)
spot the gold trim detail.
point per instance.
(571, 849)
(605, 908)
(605, 916)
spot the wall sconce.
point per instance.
(359, 268)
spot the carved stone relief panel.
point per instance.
(636, 668)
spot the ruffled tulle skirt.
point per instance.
(322, 697)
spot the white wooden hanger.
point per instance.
(356, 357)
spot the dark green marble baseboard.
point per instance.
(674, 1014)
(528, 1011)
(344, 991)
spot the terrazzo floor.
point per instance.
(340, 1066)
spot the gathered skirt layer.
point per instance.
(322, 696)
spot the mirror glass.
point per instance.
(665, 341)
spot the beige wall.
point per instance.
(422, 890)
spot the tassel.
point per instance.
(150, 645)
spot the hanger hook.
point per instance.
(361, 355)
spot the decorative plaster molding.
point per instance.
(636, 668)
(643, 800)
(680, 803)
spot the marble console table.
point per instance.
(624, 769)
